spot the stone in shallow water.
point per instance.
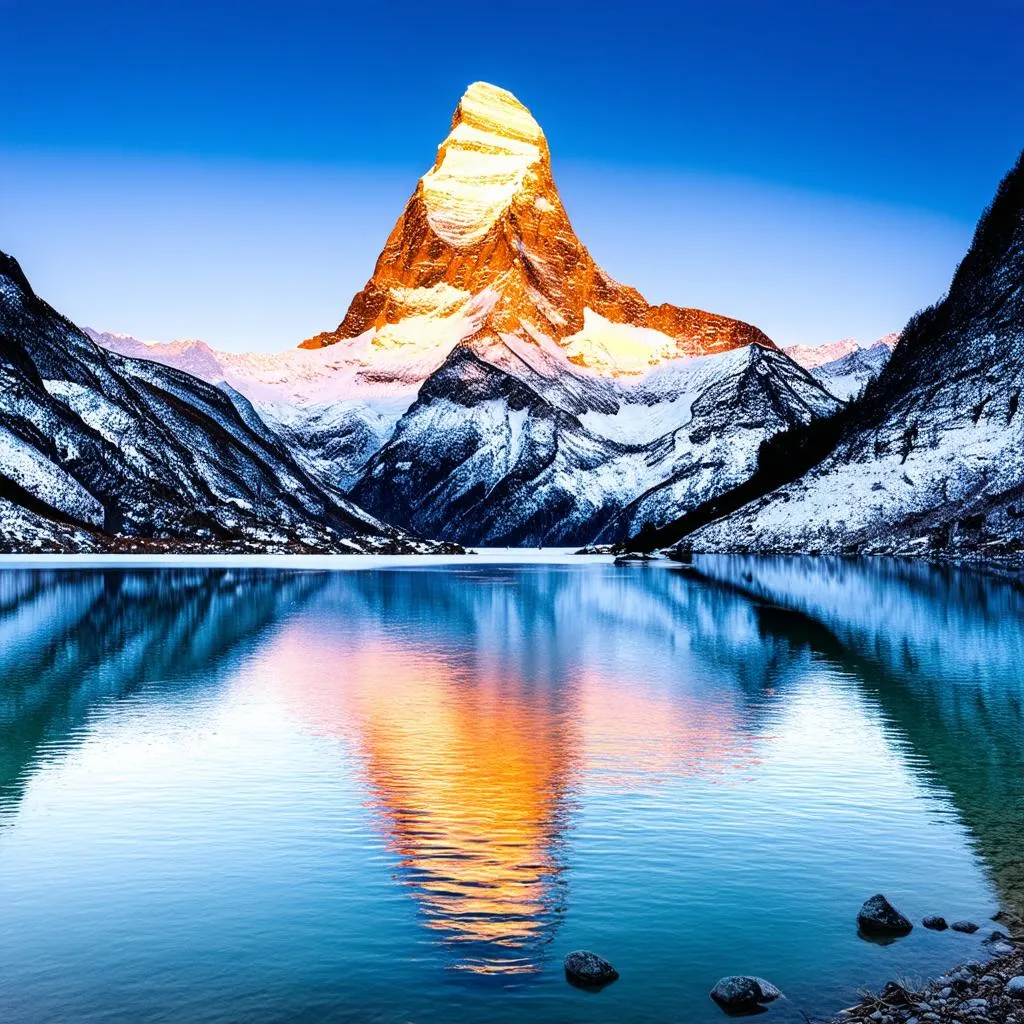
(935, 922)
(588, 969)
(964, 926)
(879, 917)
(742, 994)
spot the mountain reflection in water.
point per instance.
(514, 758)
(941, 651)
(471, 756)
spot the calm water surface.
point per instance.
(404, 794)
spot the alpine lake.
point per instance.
(402, 790)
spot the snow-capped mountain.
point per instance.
(95, 446)
(556, 397)
(484, 248)
(492, 384)
(331, 415)
(931, 460)
(844, 367)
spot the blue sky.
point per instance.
(230, 171)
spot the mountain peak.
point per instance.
(484, 254)
(493, 143)
(490, 108)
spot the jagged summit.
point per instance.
(493, 145)
(484, 253)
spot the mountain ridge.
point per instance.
(930, 457)
(102, 451)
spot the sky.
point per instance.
(230, 171)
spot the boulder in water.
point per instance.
(935, 922)
(588, 969)
(968, 927)
(743, 994)
(879, 917)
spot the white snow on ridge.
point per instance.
(613, 348)
(493, 143)
(46, 481)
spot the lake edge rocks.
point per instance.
(979, 992)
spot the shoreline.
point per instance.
(974, 992)
(190, 560)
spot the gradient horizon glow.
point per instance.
(231, 171)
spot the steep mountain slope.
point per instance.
(496, 454)
(98, 446)
(331, 416)
(931, 460)
(484, 246)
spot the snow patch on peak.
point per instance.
(617, 349)
(482, 164)
(439, 299)
(810, 357)
(444, 317)
(492, 109)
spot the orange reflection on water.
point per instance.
(471, 768)
(468, 771)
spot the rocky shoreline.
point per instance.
(988, 992)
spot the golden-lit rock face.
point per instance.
(484, 248)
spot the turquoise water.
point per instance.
(404, 794)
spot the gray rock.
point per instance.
(769, 992)
(1001, 949)
(978, 1004)
(964, 926)
(588, 969)
(936, 923)
(742, 994)
(879, 917)
(1015, 987)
